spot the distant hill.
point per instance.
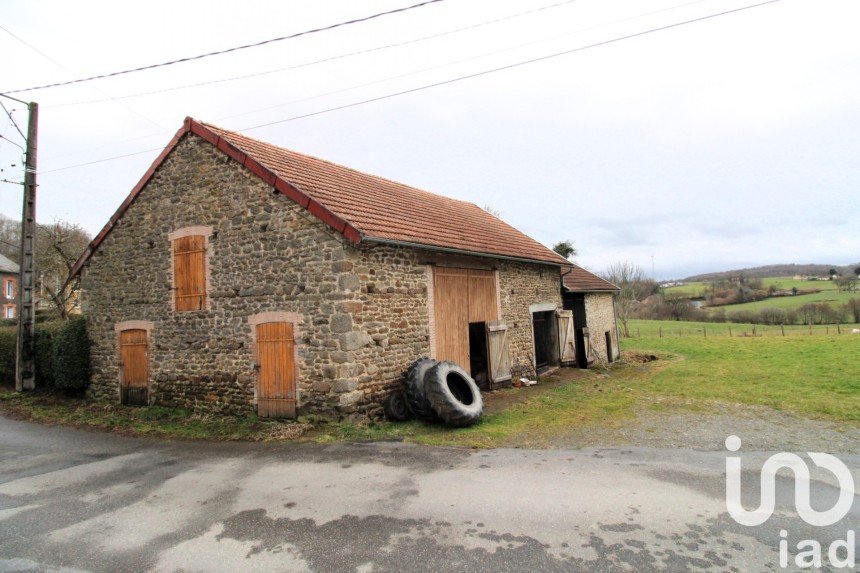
(768, 271)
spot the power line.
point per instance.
(228, 50)
(323, 60)
(389, 78)
(457, 79)
(15, 143)
(514, 65)
(460, 61)
(98, 89)
(12, 119)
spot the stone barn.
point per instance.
(242, 277)
(592, 302)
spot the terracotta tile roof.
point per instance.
(383, 209)
(361, 207)
(581, 280)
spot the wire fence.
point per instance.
(640, 329)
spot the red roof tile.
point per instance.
(581, 280)
(383, 209)
(362, 207)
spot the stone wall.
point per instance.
(522, 285)
(600, 316)
(266, 254)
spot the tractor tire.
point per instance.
(453, 394)
(415, 395)
(395, 407)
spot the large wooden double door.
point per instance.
(461, 297)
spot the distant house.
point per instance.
(9, 282)
(592, 300)
(240, 277)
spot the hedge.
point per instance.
(62, 354)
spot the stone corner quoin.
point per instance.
(361, 313)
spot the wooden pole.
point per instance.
(838, 330)
(782, 328)
(661, 332)
(730, 332)
(25, 363)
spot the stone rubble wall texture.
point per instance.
(600, 316)
(364, 309)
(521, 285)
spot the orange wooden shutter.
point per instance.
(276, 366)
(189, 272)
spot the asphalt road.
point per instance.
(79, 501)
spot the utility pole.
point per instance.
(25, 370)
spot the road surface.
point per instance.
(79, 501)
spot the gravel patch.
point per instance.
(759, 427)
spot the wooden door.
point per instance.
(451, 302)
(461, 296)
(134, 367)
(189, 264)
(499, 354)
(566, 337)
(276, 370)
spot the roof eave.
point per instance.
(429, 247)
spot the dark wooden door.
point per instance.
(276, 370)
(540, 325)
(134, 367)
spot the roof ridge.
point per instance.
(339, 165)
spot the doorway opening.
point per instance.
(478, 355)
(545, 330)
(609, 347)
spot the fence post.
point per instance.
(730, 332)
(782, 328)
(838, 330)
(661, 332)
(753, 331)
(705, 331)
(826, 330)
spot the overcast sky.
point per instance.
(730, 142)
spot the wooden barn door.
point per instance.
(276, 370)
(461, 297)
(566, 337)
(134, 367)
(499, 352)
(451, 301)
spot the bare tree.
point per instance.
(635, 287)
(58, 246)
(489, 209)
(565, 249)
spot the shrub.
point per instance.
(8, 337)
(45, 333)
(71, 355)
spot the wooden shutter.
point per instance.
(276, 367)
(189, 272)
(498, 352)
(566, 337)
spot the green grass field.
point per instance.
(829, 294)
(811, 375)
(832, 297)
(692, 290)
